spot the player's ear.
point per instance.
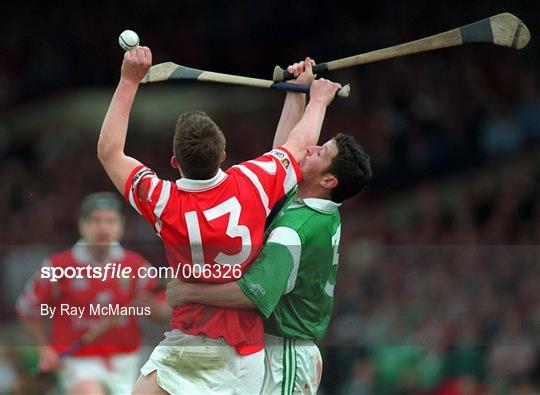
(223, 157)
(174, 162)
(329, 181)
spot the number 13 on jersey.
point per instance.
(234, 229)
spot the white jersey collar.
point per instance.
(324, 206)
(187, 184)
(81, 254)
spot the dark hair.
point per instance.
(100, 201)
(198, 145)
(350, 166)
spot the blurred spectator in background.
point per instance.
(109, 364)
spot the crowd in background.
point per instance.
(439, 285)
(448, 288)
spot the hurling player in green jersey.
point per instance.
(292, 281)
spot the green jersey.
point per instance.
(292, 280)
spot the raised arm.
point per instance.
(221, 295)
(307, 130)
(295, 103)
(112, 139)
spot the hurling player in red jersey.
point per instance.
(110, 363)
(212, 223)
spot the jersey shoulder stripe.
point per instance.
(257, 183)
(163, 199)
(293, 173)
(290, 239)
(268, 166)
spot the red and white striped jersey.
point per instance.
(213, 225)
(85, 291)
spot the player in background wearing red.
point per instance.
(108, 364)
(210, 220)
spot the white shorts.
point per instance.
(187, 364)
(291, 366)
(117, 373)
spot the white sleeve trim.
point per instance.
(289, 238)
(142, 173)
(286, 161)
(255, 180)
(27, 302)
(161, 204)
(268, 166)
(290, 180)
(163, 199)
(154, 181)
(132, 201)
